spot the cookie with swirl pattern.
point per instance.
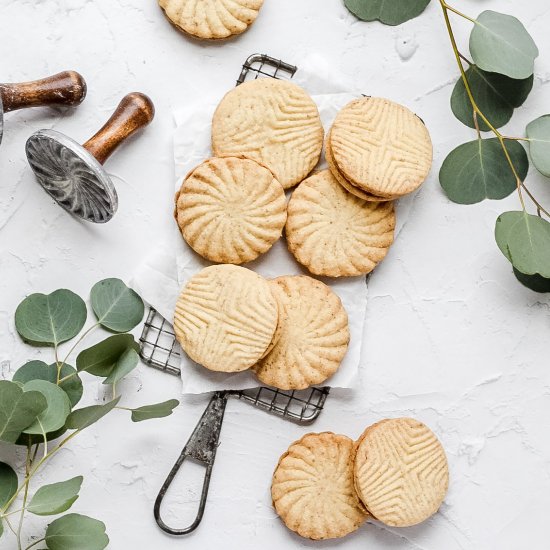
(211, 19)
(231, 210)
(334, 233)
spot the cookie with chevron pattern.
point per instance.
(346, 184)
(226, 317)
(211, 19)
(381, 147)
(334, 233)
(231, 210)
(400, 471)
(274, 122)
(312, 487)
(314, 335)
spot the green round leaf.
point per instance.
(101, 359)
(83, 418)
(533, 282)
(28, 439)
(158, 410)
(56, 498)
(18, 409)
(538, 133)
(496, 95)
(389, 12)
(54, 416)
(126, 363)
(478, 170)
(500, 43)
(50, 319)
(117, 307)
(525, 240)
(8, 483)
(74, 531)
(38, 370)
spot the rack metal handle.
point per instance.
(201, 447)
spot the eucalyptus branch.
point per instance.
(35, 543)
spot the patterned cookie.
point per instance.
(273, 122)
(347, 185)
(312, 487)
(212, 19)
(334, 233)
(231, 210)
(381, 147)
(225, 318)
(401, 472)
(314, 335)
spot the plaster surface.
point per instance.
(451, 338)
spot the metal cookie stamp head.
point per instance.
(73, 174)
(66, 88)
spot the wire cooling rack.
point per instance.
(160, 349)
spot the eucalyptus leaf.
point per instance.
(101, 359)
(38, 370)
(8, 484)
(127, 362)
(496, 95)
(50, 319)
(55, 498)
(525, 240)
(28, 439)
(54, 416)
(478, 170)
(533, 282)
(117, 307)
(499, 43)
(18, 409)
(158, 410)
(83, 418)
(389, 12)
(538, 133)
(74, 531)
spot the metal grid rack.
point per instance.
(159, 348)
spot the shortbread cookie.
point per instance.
(334, 233)
(400, 472)
(273, 122)
(347, 185)
(381, 147)
(212, 19)
(231, 210)
(226, 317)
(313, 490)
(314, 335)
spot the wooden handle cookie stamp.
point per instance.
(73, 174)
(66, 88)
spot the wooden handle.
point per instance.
(134, 112)
(67, 88)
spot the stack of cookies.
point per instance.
(292, 331)
(325, 485)
(267, 138)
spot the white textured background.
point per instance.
(451, 338)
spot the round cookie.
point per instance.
(314, 335)
(334, 233)
(231, 210)
(400, 470)
(225, 318)
(312, 487)
(211, 19)
(381, 147)
(273, 122)
(348, 186)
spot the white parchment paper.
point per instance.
(161, 276)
